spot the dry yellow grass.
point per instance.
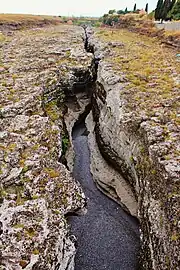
(151, 80)
(143, 25)
(152, 70)
(172, 33)
(23, 20)
(25, 17)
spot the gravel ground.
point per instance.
(108, 237)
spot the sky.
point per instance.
(70, 7)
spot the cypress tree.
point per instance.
(166, 9)
(126, 10)
(146, 8)
(159, 10)
(134, 8)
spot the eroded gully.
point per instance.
(107, 237)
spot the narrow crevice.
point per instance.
(85, 83)
(102, 211)
(87, 45)
(99, 92)
(90, 49)
(85, 38)
(103, 215)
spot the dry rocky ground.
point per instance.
(36, 191)
(136, 110)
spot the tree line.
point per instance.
(113, 15)
(126, 11)
(167, 10)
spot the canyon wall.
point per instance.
(137, 144)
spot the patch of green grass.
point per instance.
(18, 226)
(52, 172)
(65, 144)
(36, 252)
(174, 237)
(25, 169)
(30, 232)
(53, 111)
(11, 146)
